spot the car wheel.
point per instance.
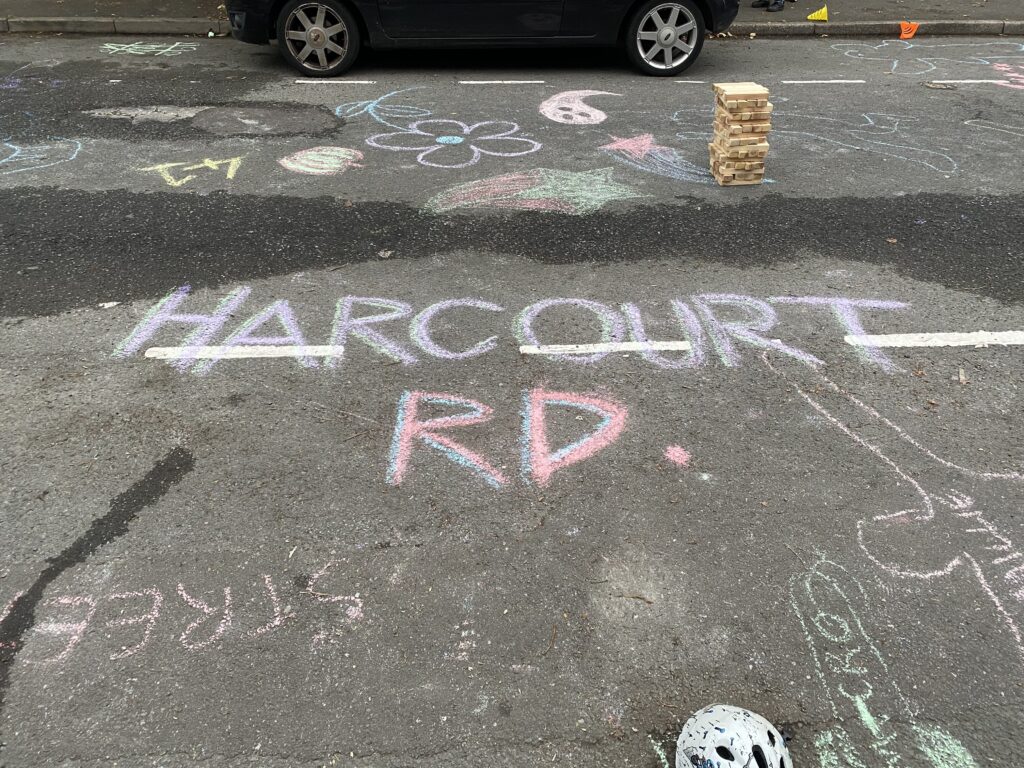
(664, 37)
(320, 38)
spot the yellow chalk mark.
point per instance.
(164, 169)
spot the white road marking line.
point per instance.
(501, 82)
(693, 82)
(591, 349)
(970, 82)
(820, 82)
(243, 352)
(972, 339)
(325, 81)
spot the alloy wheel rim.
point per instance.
(316, 36)
(666, 36)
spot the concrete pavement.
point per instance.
(407, 540)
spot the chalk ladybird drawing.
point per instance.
(568, 108)
(322, 161)
(454, 144)
(542, 189)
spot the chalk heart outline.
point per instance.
(437, 139)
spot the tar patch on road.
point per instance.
(82, 257)
(123, 510)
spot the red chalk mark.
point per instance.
(207, 611)
(147, 619)
(541, 461)
(637, 147)
(678, 455)
(279, 615)
(72, 630)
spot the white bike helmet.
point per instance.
(721, 736)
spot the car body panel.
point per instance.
(476, 23)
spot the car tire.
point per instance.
(319, 38)
(664, 37)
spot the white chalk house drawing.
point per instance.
(942, 531)
(907, 57)
(876, 724)
(878, 133)
(20, 154)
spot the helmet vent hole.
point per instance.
(725, 754)
(771, 738)
(759, 757)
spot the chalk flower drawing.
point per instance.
(454, 144)
(542, 189)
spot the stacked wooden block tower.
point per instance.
(743, 117)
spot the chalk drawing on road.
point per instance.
(569, 108)
(128, 618)
(1013, 74)
(870, 132)
(13, 81)
(862, 692)
(990, 125)
(410, 429)
(383, 112)
(540, 189)
(678, 455)
(148, 49)
(645, 154)
(18, 158)
(912, 58)
(454, 144)
(943, 532)
(158, 113)
(540, 461)
(322, 161)
(171, 172)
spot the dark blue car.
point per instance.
(322, 38)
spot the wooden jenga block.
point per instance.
(734, 91)
(732, 129)
(738, 108)
(742, 152)
(740, 140)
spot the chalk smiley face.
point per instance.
(569, 108)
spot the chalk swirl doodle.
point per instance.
(454, 144)
(911, 58)
(873, 132)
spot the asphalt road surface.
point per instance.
(291, 475)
